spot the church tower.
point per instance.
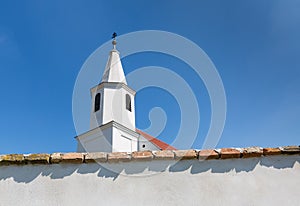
(112, 118)
(113, 100)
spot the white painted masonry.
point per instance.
(272, 180)
(113, 105)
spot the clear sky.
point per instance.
(254, 45)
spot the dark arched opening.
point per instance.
(97, 102)
(128, 102)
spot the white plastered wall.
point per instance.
(113, 107)
(95, 141)
(124, 141)
(255, 181)
(112, 137)
(145, 145)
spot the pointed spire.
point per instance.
(114, 71)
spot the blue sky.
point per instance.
(254, 45)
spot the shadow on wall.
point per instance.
(27, 173)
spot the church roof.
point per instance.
(114, 70)
(160, 144)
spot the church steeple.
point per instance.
(113, 70)
(113, 100)
(112, 120)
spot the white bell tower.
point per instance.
(112, 99)
(112, 119)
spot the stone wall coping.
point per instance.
(115, 157)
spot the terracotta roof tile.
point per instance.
(160, 144)
(55, 158)
(119, 157)
(271, 151)
(225, 153)
(163, 154)
(228, 153)
(252, 152)
(95, 157)
(142, 155)
(185, 154)
(208, 154)
(12, 159)
(72, 157)
(37, 158)
(290, 150)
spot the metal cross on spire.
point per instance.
(114, 42)
(114, 35)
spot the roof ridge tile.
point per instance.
(114, 157)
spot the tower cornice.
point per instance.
(113, 85)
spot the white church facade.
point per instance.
(112, 118)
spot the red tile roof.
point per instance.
(160, 144)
